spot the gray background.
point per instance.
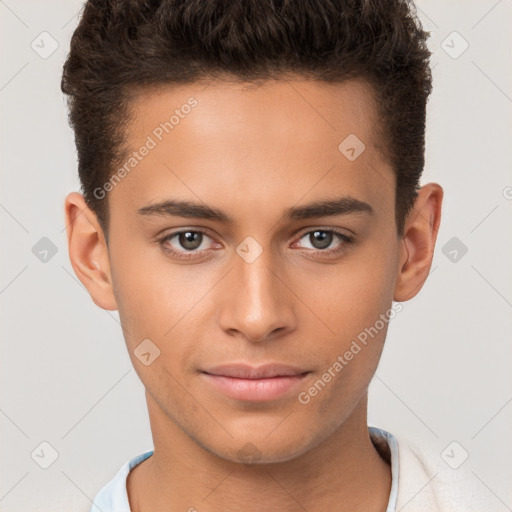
(66, 377)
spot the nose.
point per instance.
(258, 304)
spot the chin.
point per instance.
(251, 452)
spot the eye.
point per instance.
(185, 244)
(323, 239)
(190, 243)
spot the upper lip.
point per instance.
(245, 371)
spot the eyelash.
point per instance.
(347, 240)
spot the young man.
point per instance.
(251, 207)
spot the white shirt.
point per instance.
(420, 482)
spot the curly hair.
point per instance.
(121, 47)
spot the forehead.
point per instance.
(208, 140)
(273, 109)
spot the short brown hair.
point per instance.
(121, 46)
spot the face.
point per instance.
(257, 228)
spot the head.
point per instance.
(250, 176)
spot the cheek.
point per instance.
(146, 293)
(351, 296)
(158, 300)
(351, 355)
(350, 300)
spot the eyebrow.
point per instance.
(322, 208)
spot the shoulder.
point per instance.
(427, 482)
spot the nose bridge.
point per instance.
(258, 305)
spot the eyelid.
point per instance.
(309, 229)
(342, 232)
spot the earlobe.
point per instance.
(88, 251)
(418, 242)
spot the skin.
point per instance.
(253, 153)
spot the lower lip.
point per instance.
(255, 390)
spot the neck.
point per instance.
(343, 472)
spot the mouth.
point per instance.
(255, 384)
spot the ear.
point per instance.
(88, 251)
(418, 242)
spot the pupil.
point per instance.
(320, 239)
(190, 240)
